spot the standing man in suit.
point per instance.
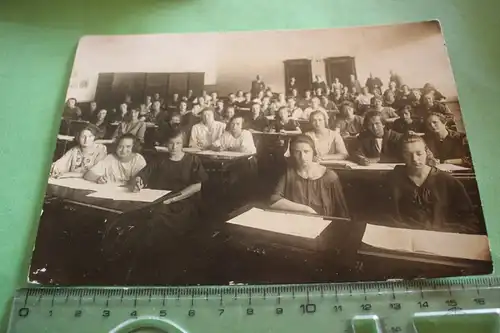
(376, 143)
(257, 86)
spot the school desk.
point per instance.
(39, 40)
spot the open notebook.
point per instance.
(444, 244)
(284, 223)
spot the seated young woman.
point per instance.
(348, 124)
(100, 121)
(308, 187)
(121, 166)
(388, 114)
(237, 139)
(228, 114)
(256, 121)
(403, 98)
(177, 172)
(429, 88)
(120, 115)
(133, 243)
(283, 122)
(406, 123)
(315, 106)
(329, 144)
(423, 197)
(363, 101)
(131, 125)
(79, 159)
(447, 146)
(206, 134)
(71, 110)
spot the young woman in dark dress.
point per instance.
(149, 245)
(307, 186)
(406, 123)
(448, 146)
(100, 120)
(423, 197)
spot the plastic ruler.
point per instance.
(439, 306)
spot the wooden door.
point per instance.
(341, 67)
(301, 70)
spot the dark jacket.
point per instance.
(366, 147)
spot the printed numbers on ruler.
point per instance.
(256, 307)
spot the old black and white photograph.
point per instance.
(261, 157)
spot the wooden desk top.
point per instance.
(350, 166)
(217, 155)
(278, 134)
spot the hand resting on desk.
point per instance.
(102, 180)
(138, 185)
(287, 205)
(58, 174)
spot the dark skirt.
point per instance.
(150, 247)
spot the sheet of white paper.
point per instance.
(191, 150)
(451, 167)
(444, 244)
(104, 142)
(124, 194)
(283, 223)
(475, 247)
(375, 166)
(342, 164)
(65, 137)
(387, 238)
(223, 153)
(78, 183)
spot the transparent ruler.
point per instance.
(464, 305)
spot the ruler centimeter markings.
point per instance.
(397, 307)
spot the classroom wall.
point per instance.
(174, 53)
(232, 60)
(415, 51)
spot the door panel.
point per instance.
(301, 70)
(341, 67)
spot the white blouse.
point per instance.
(243, 144)
(203, 137)
(331, 144)
(119, 172)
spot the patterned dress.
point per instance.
(74, 160)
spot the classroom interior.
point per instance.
(216, 252)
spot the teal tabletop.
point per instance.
(38, 40)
